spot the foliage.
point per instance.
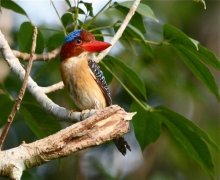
(150, 119)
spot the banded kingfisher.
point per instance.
(83, 77)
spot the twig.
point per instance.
(17, 103)
(38, 57)
(120, 30)
(64, 30)
(53, 87)
(105, 125)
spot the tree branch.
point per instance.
(17, 103)
(35, 90)
(53, 87)
(104, 125)
(38, 57)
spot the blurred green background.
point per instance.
(168, 82)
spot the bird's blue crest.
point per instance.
(71, 36)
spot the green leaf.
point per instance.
(8, 4)
(133, 31)
(68, 3)
(207, 57)
(89, 7)
(147, 125)
(142, 9)
(72, 10)
(39, 121)
(67, 19)
(25, 35)
(55, 41)
(131, 76)
(190, 137)
(175, 36)
(198, 69)
(136, 20)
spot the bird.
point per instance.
(83, 77)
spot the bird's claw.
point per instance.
(86, 113)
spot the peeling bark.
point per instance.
(104, 125)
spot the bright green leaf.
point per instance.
(147, 125)
(199, 70)
(25, 39)
(8, 4)
(39, 121)
(142, 9)
(190, 137)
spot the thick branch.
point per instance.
(104, 125)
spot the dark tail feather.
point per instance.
(122, 145)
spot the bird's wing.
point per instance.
(100, 79)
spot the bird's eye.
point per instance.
(78, 41)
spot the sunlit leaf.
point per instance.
(147, 125)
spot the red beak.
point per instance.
(95, 46)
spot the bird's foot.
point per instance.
(86, 113)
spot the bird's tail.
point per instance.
(122, 145)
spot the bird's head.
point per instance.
(80, 41)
